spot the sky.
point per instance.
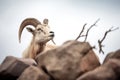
(66, 19)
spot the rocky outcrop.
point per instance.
(33, 73)
(109, 70)
(73, 60)
(68, 61)
(12, 67)
(113, 55)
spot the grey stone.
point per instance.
(68, 61)
(108, 71)
(33, 73)
(12, 67)
(112, 55)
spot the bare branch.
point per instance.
(100, 47)
(100, 41)
(90, 28)
(53, 42)
(80, 35)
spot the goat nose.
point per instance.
(51, 32)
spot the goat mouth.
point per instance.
(52, 35)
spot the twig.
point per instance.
(81, 32)
(89, 29)
(53, 42)
(100, 41)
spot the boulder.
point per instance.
(12, 67)
(33, 73)
(108, 71)
(68, 61)
(112, 55)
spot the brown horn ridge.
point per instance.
(29, 21)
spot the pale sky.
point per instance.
(66, 18)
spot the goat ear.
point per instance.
(45, 21)
(30, 30)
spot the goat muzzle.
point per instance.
(52, 34)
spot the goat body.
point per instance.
(34, 49)
(41, 35)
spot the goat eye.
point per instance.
(39, 29)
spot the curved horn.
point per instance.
(29, 21)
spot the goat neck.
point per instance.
(36, 49)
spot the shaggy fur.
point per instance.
(41, 35)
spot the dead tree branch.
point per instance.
(53, 42)
(100, 41)
(89, 29)
(80, 35)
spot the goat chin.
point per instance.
(47, 47)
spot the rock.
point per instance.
(12, 67)
(28, 61)
(33, 73)
(68, 61)
(108, 71)
(113, 55)
(115, 65)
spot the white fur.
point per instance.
(41, 35)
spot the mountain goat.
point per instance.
(41, 35)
